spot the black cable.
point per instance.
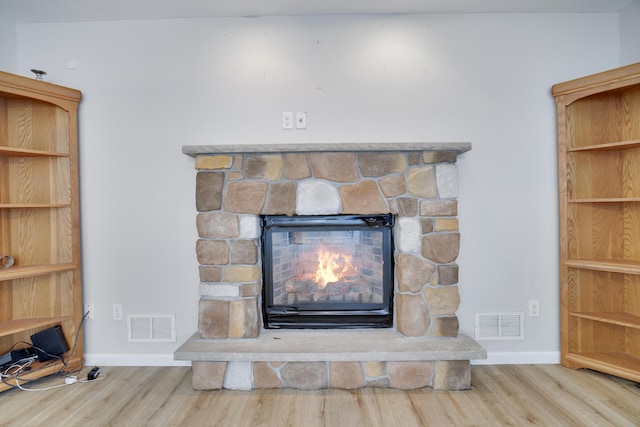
(75, 343)
(61, 372)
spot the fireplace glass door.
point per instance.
(327, 271)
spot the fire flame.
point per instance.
(332, 267)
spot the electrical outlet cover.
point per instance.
(534, 308)
(117, 311)
(287, 120)
(90, 309)
(301, 120)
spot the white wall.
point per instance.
(151, 86)
(8, 45)
(630, 34)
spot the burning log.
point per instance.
(334, 289)
(303, 284)
(299, 284)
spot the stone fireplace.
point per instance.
(416, 183)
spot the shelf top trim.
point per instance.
(607, 79)
(24, 87)
(456, 147)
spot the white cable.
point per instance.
(99, 377)
(13, 372)
(70, 380)
(19, 366)
(39, 389)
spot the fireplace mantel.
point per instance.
(452, 147)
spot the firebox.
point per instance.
(332, 271)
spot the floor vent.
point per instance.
(143, 328)
(499, 326)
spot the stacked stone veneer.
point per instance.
(419, 187)
(440, 375)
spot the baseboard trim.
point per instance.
(493, 358)
(520, 358)
(105, 359)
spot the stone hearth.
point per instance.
(415, 182)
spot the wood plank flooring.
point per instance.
(503, 395)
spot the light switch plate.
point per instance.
(287, 120)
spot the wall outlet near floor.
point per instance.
(89, 308)
(534, 308)
(117, 311)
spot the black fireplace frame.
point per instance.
(328, 315)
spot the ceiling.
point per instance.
(31, 11)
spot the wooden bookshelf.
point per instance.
(599, 194)
(39, 217)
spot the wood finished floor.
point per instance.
(504, 395)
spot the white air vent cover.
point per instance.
(499, 326)
(145, 328)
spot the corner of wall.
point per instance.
(630, 34)
(8, 45)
